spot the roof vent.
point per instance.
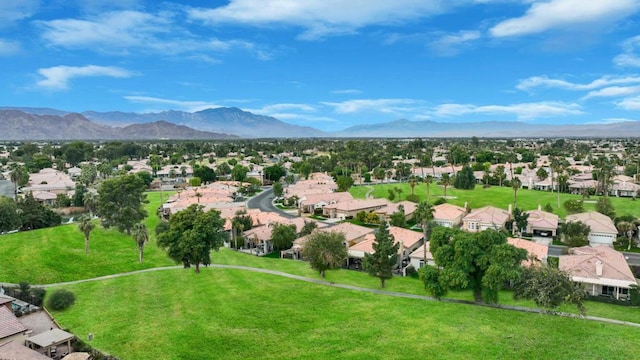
(599, 268)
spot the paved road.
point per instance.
(353, 288)
(263, 201)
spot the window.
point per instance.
(607, 290)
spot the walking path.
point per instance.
(347, 287)
(371, 188)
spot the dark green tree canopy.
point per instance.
(465, 179)
(482, 262)
(9, 218)
(282, 236)
(549, 287)
(275, 172)
(192, 234)
(120, 202)
(34, 215)
(325, 251)
(384, 257)
(575, 233)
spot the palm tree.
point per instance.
(515, 184)
(140, 236)
(18, 176)
(627, 229)
(198, 195)
(445, 181)
(428, 180)
(86, 226)
(424, 215)
(90, 202)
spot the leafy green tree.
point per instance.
(282, 236)
(120, 202)
(275, 172)
(223, 169)
(548, 208)
(19, 177)
(627, 229)
(9, 217)
(308, 228)
(575, 233)
(520, 218)
(305, 169)
(481, 261)
(78, 195)
(141, 237)
(573, 206)
(344, 183)
(239, 173)
(277, 189)
(205, 173)
(391, 195)
(542, 173)
(398, 218)
(145, 176)
(86, 226)
(191, 236)
(604, 206)
(372, 218)
(60, 299)
(325, 251)
(549, 288)
(88, 174)
(385, 255)
(34, 215)
(465, 179)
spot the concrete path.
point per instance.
(347, 287)
(368, 194)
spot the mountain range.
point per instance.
(20, 123)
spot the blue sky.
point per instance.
(329, 64)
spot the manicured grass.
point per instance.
(497, 196)
(409, 285)
(57, 254)
(234, 314)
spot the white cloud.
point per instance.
(8, 47)
(631, 103)
(58, 77)
(545, 81)
(319, 18)
(120, 32)
(13, 10)
(451, 44)
(523, 111)
(613, 91)
(347, 92)
(612, 121)
(390, 106)
(629, 57)
(189, 106)
(563, 14)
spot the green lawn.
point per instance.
(57, 254)
(497, 196)
(234, 314)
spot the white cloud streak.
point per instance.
(319, 18)
(58, 77)
(389, 106)
(565, 14)
(189, 106)
(14, 10)
(613, 91)
(347, 92)
(629, 57)
(452, 44)
(523, 111)
(8, 47)
(631, 103)
(546, 82)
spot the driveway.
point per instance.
(264, 202)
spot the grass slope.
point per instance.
(496, 196)
(233, 314)
(57, 254)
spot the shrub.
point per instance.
(440, 201)
(61, 299)
(37, 295)
(413, 198)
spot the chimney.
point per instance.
(510, 210)
(599, 268)
(466, 207)
(539, 207)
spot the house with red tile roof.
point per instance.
(448, 215)
(385, 213)
(488, 217)
(349, 209)
(409, 241)
(603, 230)
(10, 328)
(418, 257)
(542, 223)
(15, 350)
(311, 202)
(536, 253)
(602, 270)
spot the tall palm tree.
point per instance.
(90, 202)
(515, 184)
(86, 226)
(424, 215)
(445, 181)
(18, 176)
(140, 236)
(428, 180)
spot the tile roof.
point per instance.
(582, 266)
(488, 215)
(351, 231)
(447, 212)
(13, 350)
(9, 324)
(355, 205)
(599, 223)
(538, 250)
(542, 219)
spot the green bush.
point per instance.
(413, 198)
(61, 299)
